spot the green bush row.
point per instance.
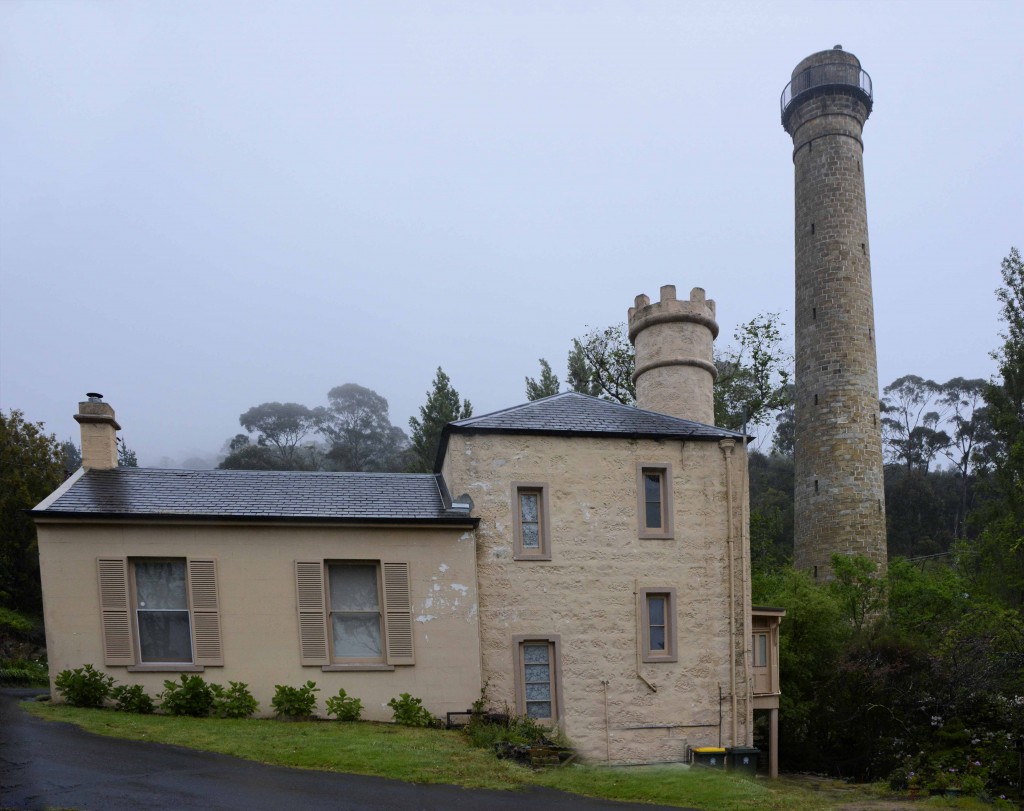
(194, 696)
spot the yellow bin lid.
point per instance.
(710, 750)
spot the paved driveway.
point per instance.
(47, 765)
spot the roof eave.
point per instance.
(565, 432)
(57, 516)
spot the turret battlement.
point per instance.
(675, 370)
(698, 309)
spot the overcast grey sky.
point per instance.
(205, 206)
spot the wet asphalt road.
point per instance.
(46, 765)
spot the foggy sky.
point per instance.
(205, 206)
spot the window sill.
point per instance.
(656, 536)
(168, 668)
(362, 666)
(531, 557)
(652, 660)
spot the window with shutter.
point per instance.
(116, 628)
(309, 586)
(398, 614)
(205, 604)
(160, 613)
(355, 614)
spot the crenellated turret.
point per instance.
(675, 372)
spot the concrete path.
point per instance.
(47, 765)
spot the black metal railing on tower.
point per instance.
(829, 76)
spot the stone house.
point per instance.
(593, 571)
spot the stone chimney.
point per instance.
(99, 433)
(675, 372)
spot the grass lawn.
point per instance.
(441, 756)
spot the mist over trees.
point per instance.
(352, 433)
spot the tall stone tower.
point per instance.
(840, 505)
(675, 373)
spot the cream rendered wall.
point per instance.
(585, 593)
(258, 604)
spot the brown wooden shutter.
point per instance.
(205, 603)
(309, 587)
(114, 613)
(398, 614)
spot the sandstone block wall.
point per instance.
(839, 487)
(586, 592)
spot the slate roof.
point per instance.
(144, 493)
(573, 414)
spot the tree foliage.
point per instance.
(885, 677)
(358, 427)
(31, 467)
(443, 405)
(913, 411)
(999, 551)
(71, 456)
(354, 430)
(579, 377)
(546, 386)
(601, 363)
(753, 375)
(126, 457)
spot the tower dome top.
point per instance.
(833, 71)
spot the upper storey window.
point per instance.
(531, 530)
(654, 500)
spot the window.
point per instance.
(654, 500)
(658, 625)
(160, 613)
(531, 532)
(354, 615)
(761, 649)
(161, 610)
(538, 682)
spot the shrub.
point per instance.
(132, 698)
(84, 686)
(344, 706)
(24, 673)
(235, 701)
(485, 730)
(410, 712)
(296, 702)
(192, 696)
(14, 622)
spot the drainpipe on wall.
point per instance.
(727, 446)
(748, 674)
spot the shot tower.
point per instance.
(840, 504)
